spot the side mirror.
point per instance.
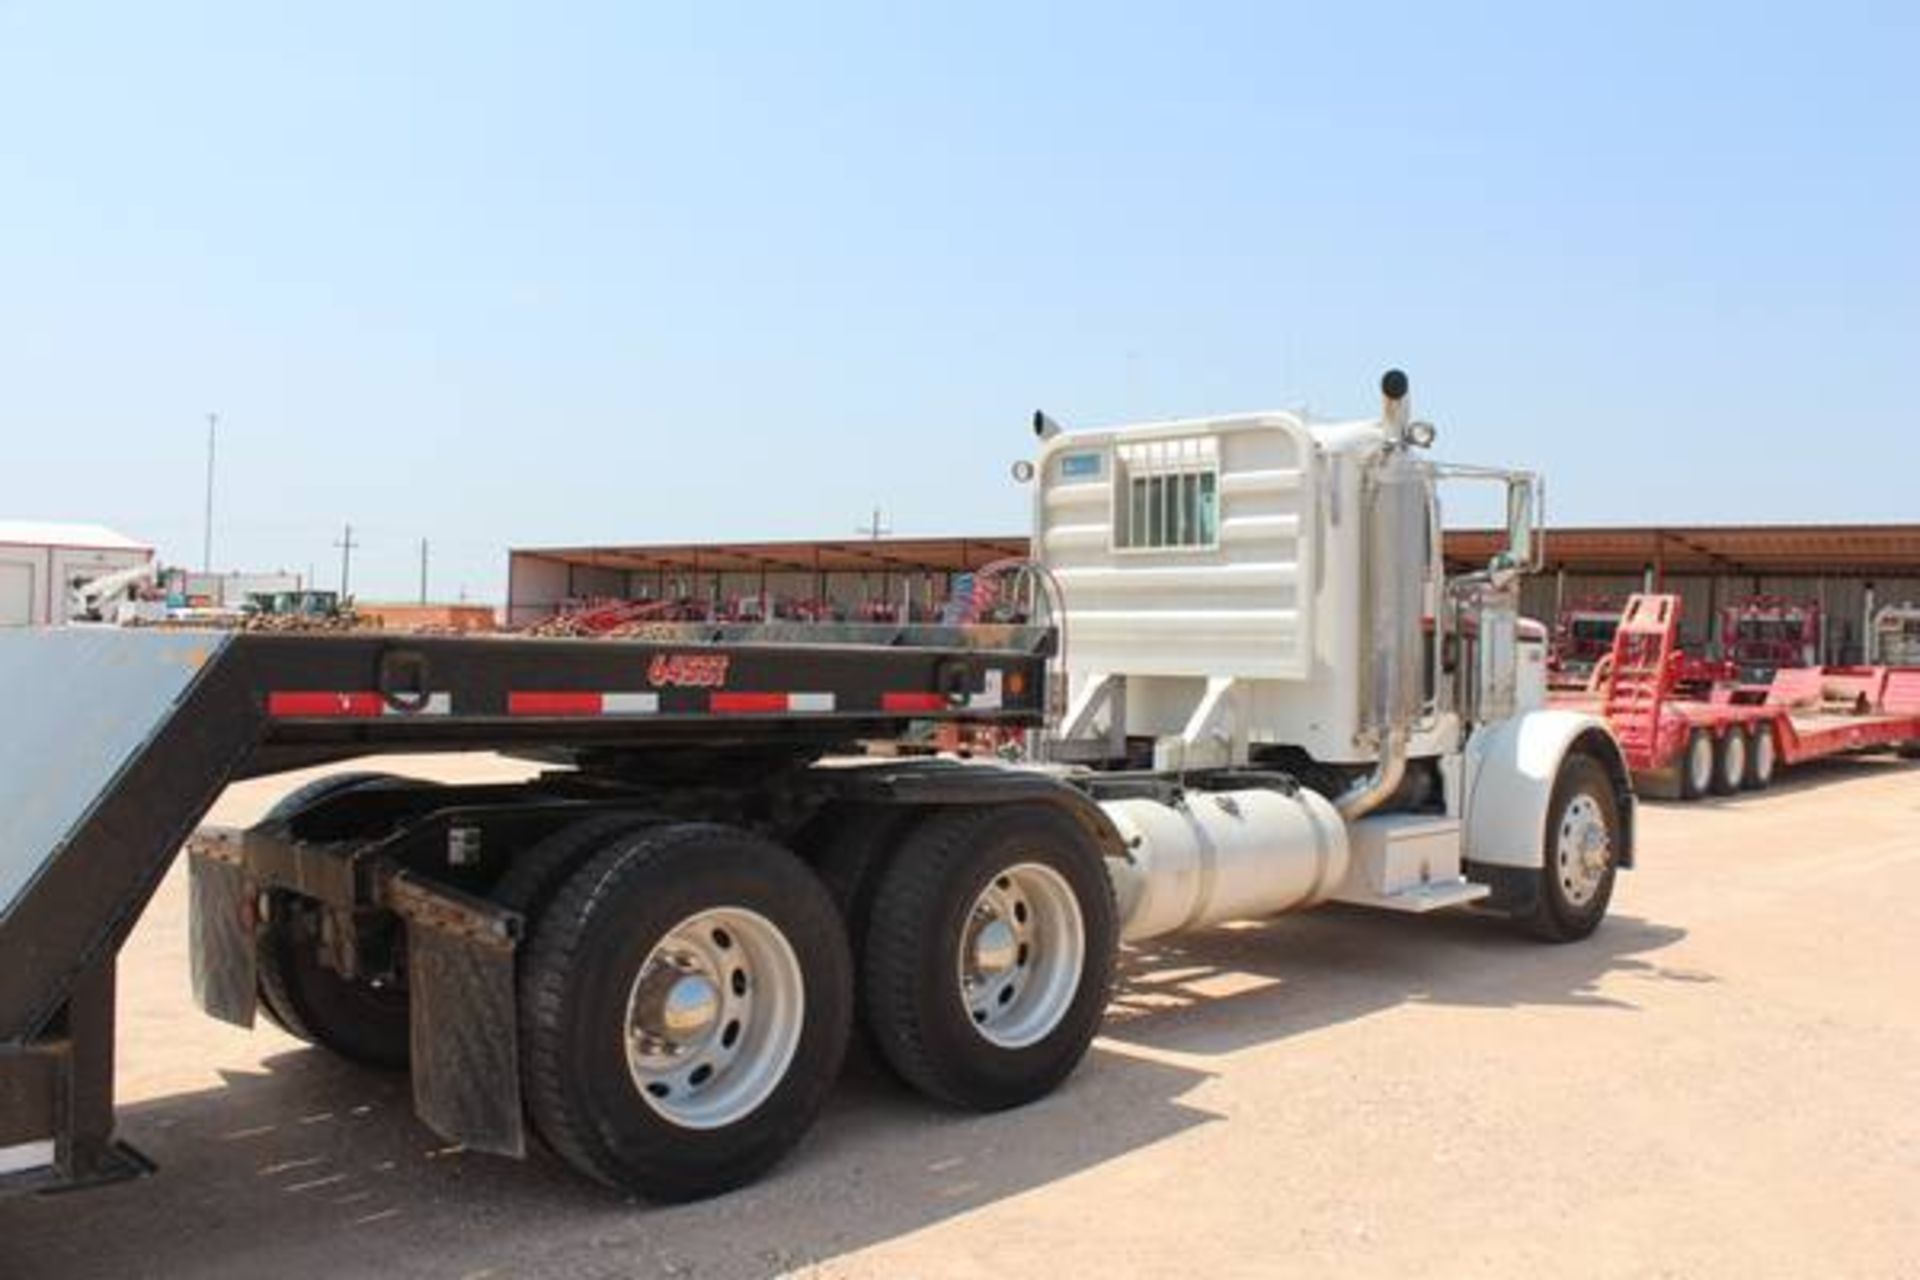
(1524, 543)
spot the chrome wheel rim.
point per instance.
(1762, 757)
(1584, 849)
(714, 1017)
(1700, 762)
(1736, 749)
(1022, 951)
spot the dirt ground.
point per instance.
(1724, 1081)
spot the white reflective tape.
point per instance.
(629, 704)
(809, 702)
(25, 1156)
(437, 704)
(988, 699)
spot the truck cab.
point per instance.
(1260, 593)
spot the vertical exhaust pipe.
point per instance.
(1395, 529)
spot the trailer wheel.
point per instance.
(1696, 765)
(990, 955)
(684, 1008)
(361, 1021)
(1730, 761)
(1581, 854)
(537, 872)
(1763, 758)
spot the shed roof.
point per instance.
(1860, 549)
(50, 533)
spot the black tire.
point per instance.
(911, 996)
(850, 847)
(308, 794)
(589, 945)
(353, 1018)
(537, 872)
(1731, 756)
(360, 1021)
(1763, 758)
(1696, 777)
(1560, 912)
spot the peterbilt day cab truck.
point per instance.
(652, 956)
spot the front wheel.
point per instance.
(1581, 856)
(684, 1006)
(989, 955)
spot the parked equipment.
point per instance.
(647, 956)
(1896, 636)
(1738, 736)
(1582, 636)
(1760, 635)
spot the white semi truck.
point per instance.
(651, 957)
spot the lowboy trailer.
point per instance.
(650, 958)
(1736, 737)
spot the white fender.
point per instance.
(1510, 771)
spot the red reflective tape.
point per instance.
(311, 705)
(747, 703)
(553, 704)
(913, 702)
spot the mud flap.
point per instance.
(222, 914)
(464, 1033)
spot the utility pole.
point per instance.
(346, 545)
(423, 571)
(206, 542)
(875, 528)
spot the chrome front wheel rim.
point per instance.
(1022, 952)
(714, 1017)
(1583, 850)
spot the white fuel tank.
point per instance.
(1224, 855)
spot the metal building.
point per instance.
(41, 562)
(1849, 571)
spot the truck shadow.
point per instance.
(301, 1165)
(1227, 989)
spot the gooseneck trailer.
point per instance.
(651, 956)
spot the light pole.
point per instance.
(206, 541)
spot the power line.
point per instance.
(346, 545)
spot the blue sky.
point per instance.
(498, 275)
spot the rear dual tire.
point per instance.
(988, 955)
(361, 1019)
(685, 1002)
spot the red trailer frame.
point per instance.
(1736, 737)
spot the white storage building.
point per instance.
(40, 562)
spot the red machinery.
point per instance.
(1736, 737)
(1582, 636)
(1760, 635)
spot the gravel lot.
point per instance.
(1724, 1081)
